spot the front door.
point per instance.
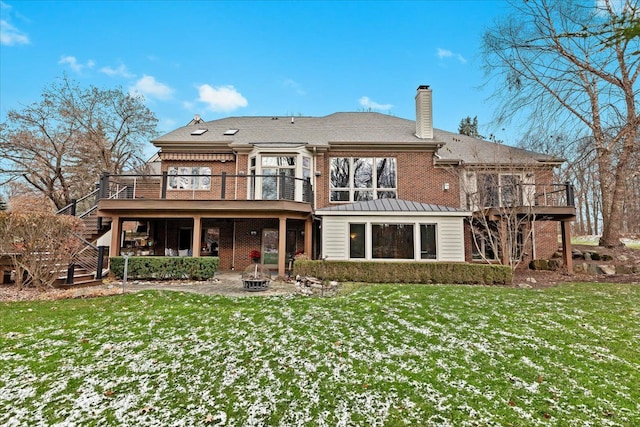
(270, 247)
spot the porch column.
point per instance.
(308, 237)
(565, 232)
(116, 230)
(197, 236)
(282, 246)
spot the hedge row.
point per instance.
(405, 272)
(160, 267)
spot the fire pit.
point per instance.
(256, 277)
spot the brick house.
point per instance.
(347, 186)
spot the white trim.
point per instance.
(408, 214)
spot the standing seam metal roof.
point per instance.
(391, 205)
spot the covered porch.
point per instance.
(231, 230)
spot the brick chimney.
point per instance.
(424, 113)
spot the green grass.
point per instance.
(382, 355)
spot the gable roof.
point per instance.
(391, 205)
(357, 128)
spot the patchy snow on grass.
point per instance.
(385, 355)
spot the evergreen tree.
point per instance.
(469, 127)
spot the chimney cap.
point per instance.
(423, 87)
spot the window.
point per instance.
(428, 241)
(189, 178)
(357, 241)
(510, 190)
(392, 241)
(360, 179)
(273, 187)
(484, 240)
(499, 190)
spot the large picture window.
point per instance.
(355, 179)
(392, 241)
(189, 178)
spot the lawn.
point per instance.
(382, 355)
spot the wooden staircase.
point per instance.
(84, 270)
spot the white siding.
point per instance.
(334, 238)
(449, 234)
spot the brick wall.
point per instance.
(417, 178)
(546, 236)
(215, 191)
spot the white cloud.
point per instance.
(73, 63)
(221, 98)
(121, 70)
(149, 87)
(369, 104)
(292, 84)
(446, 53)
(10, 35)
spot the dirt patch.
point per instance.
(621, 256)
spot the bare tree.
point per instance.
(502, 197)
(60, 145)
(559, 63)
(38, 241)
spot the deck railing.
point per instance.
(206, 187)
(521, 195)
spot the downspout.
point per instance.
(315, 179)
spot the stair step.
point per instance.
(79, 284)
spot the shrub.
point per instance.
(39, 243)
(405, 272)
(157, 267)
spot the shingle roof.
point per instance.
(347, 128)
(391, 205)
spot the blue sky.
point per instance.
(221, 59)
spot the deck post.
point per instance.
(114, 248)
(197, 236)
(282, 246)
(101, 250)
(70, 273)
(308, 235)
(565, 232)
(570, 197)
(163, 190)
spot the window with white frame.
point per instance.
(357, 241)
(267, 171)
(189, 178)
(354, 179)
(428, 241)
(393, 241)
